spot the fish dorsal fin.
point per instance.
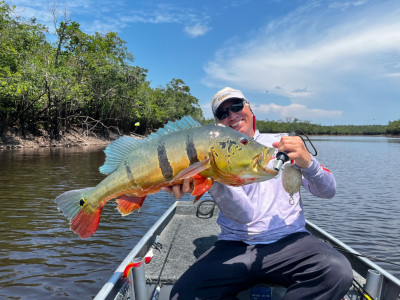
(116, 151)
(119, 149)
(185, 123)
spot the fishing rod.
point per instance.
(374, 258)
(363, 293)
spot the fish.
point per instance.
(180, 150)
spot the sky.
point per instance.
(327, 62)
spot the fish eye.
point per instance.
(244, 141)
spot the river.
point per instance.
(40, 258)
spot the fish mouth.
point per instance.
(264, 158)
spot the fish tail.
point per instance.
(84, 218)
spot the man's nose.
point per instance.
(231, 115)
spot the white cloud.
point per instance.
(45, 11)
(308, 52)
(297, 111)
(196, 30)
(393, 74)
(346, 4)
(108, 15)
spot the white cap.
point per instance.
(223, 95)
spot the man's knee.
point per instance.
(181, 288)
(174, 295)
(339, 272)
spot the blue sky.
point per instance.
(328, 62)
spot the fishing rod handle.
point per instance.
(282, 157)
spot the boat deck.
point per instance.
(191, 232)
(184, 233)
(188, 235)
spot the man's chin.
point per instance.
(244, 130)
(238, 126)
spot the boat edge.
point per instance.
(112, 282)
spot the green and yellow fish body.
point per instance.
(180, 150)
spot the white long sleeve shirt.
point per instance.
(261, 212)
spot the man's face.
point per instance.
(241, 121)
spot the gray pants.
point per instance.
(307, 266)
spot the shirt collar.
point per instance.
(256, 134)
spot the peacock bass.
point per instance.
(180, 150)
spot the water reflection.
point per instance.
(41, 258)
(38, 251)
(357, 139)
(364, 212)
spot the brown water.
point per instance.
(40, 258)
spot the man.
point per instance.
(263, 236)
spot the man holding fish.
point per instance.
(263, 236)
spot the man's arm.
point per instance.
(316, 178)
(319, 180)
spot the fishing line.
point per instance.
(365, 295)
(282, 157)
(374, 258)
(165, 259)
(300, 134)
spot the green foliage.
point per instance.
(393, 128)
(90, 81)
(81, 79)
(315, 129)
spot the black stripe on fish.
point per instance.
(129, 174)
(163, 162)
(191, 150)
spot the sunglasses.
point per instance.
(234, 107)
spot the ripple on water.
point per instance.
(40, 254)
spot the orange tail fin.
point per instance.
(85, 224)
(83, 217)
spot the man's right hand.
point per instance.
(180, 189)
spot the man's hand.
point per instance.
(180, 189)
(295, 149)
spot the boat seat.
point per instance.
(265, 291)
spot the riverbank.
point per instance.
(12, 139)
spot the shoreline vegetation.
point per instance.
(63, 87)
(13, 139)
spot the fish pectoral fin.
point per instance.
(197, 198)
(127, 204)
(192, 170)
(201, 185)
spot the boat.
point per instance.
(186, 230)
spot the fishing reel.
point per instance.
(282, 157)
